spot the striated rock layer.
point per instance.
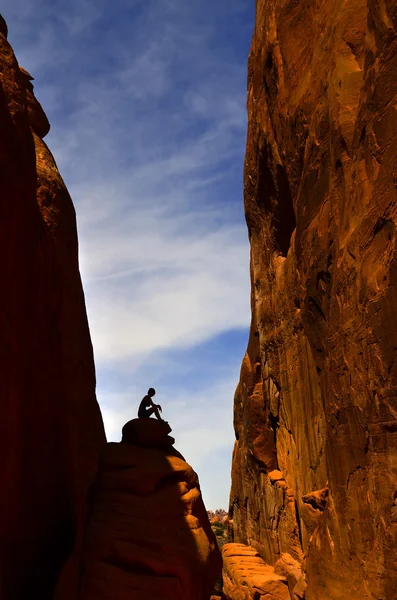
(148, 536)
(51, 429)
(315, 462)
(247, 577)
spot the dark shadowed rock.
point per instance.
(51, 429)
(3, 27)
(147, 432)
(37, 117)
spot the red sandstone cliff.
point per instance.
(51, 429)
(315, 462)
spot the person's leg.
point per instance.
(144, 413)
(157, 412)
(150, 411)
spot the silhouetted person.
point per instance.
(147, 407)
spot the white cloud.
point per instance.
(146, 75)
(194, 417)
(201, 424)
(80, 16)
(164, 263)
(148, 289)
(148, 128)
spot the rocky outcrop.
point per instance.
(247, 577)
(51, 429)
(315, 462)
(148, 536)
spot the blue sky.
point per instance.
(146, 99)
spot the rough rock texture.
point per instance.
(247, 577)
(50, 428)
(291, 569)
(148, 536)
(149, 433)
(315, 461)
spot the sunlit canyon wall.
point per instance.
(314, 469)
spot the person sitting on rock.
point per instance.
(147, 407)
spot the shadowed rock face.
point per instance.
(50, 428)
(148, 536)
(315, 461)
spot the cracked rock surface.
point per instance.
(315, 461)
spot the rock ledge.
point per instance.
(247, 577)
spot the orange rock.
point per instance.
(291, 569)
(247, 577)
(214, 520)
(51, 429)
(148, 535)
(317, 394)
(275, 476)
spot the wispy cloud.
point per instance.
(147, 105)
(202, 425)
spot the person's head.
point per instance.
(151, 392)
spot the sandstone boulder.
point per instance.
(214, 520)
(148, 536)
(147, 432)
(247, 577)
(291, 569)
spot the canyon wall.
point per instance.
(51, 429)
(314, 471)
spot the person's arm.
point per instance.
(156, 405)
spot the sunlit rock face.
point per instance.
(148, 536)
(51, 430)
(315, 461)
(247, 577)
